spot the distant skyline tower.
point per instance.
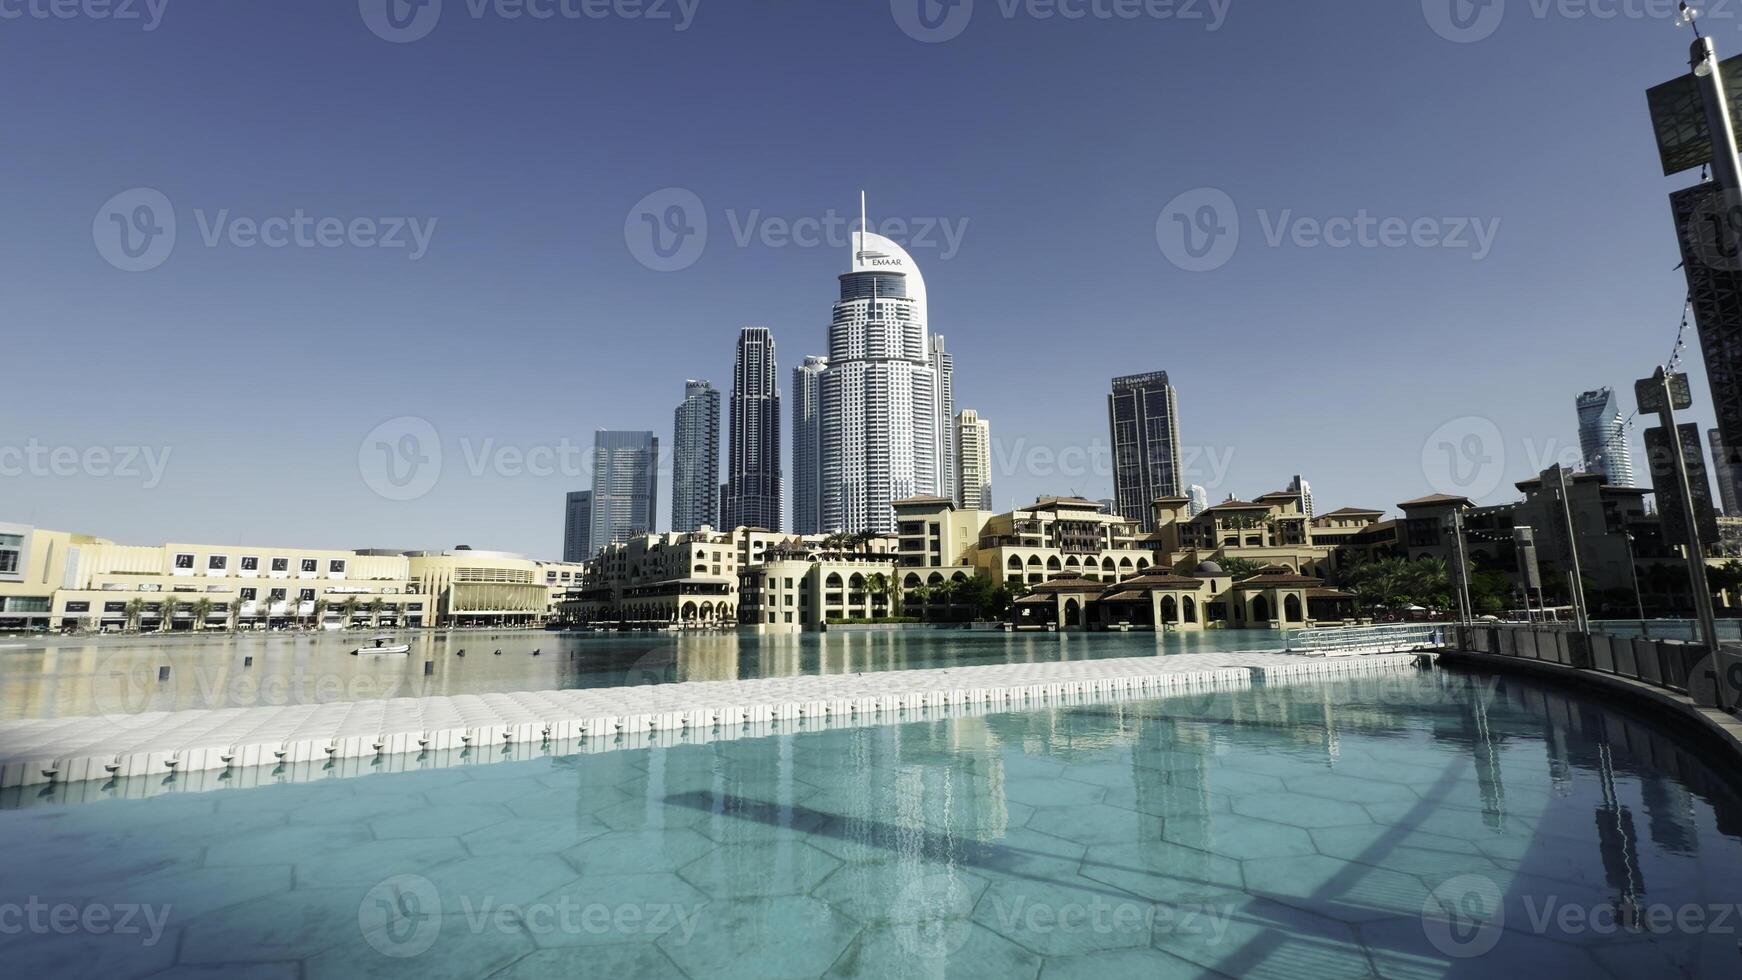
(1143, 417)
(1200, 500)
(753, 454)
(1304, 491)
(974, 459)
(880, 409)
(943, 364)
(1724, 473)
(1603, 437)
(695, 458)
(625, 486)
(578, 525)
(807, 445)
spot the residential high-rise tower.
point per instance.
(807, 445)
(753, 452)
(974, 460)
(1603, 437)
(695, 458)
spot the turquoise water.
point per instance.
(1421, 824)
(119, 675)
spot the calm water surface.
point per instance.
(1419, 825)
(119, 675)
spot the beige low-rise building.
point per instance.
(63, 580)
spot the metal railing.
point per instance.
(1385, 638)
(1664, 663)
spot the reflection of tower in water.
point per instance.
(1618, 843)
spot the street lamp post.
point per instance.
(1576, 583)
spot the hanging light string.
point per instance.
(1672, 366)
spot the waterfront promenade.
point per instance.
(40, 751)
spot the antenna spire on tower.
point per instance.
(862, 222)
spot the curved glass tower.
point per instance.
(880, 426)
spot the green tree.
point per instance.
(135, 608)
(1238, 568)
(349, 608)
(169, 607)
(202, 610)
(375, 607)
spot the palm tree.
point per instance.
(135, 608)
(202, 609)
(375, 606)
(320, 610)
(350, 608)
(169, 607)
(883, 586)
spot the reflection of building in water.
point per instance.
(1171, 782)
(1618, 843)
(1669, 813)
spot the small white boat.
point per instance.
(382, 644)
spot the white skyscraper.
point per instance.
(1200, 500)
(882, 431)
(944, 366)
(974, 460)
(1603, 437)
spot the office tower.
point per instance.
(944, 367)
(695, 458)
(1200, 501)
(1603, 437)
(807, 445)
(753, 451)
(1660, 455)
(1142, 413)
(1724, 473)
(625, 486)
(974, 457)
(578, 525)
(880, 411)
(1304, 491)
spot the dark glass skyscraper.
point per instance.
(1143, 416)
(753, 460)
(695, 458)
(625, 486)
(807, 445)
(578, 526)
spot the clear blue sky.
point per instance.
(529, 320)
